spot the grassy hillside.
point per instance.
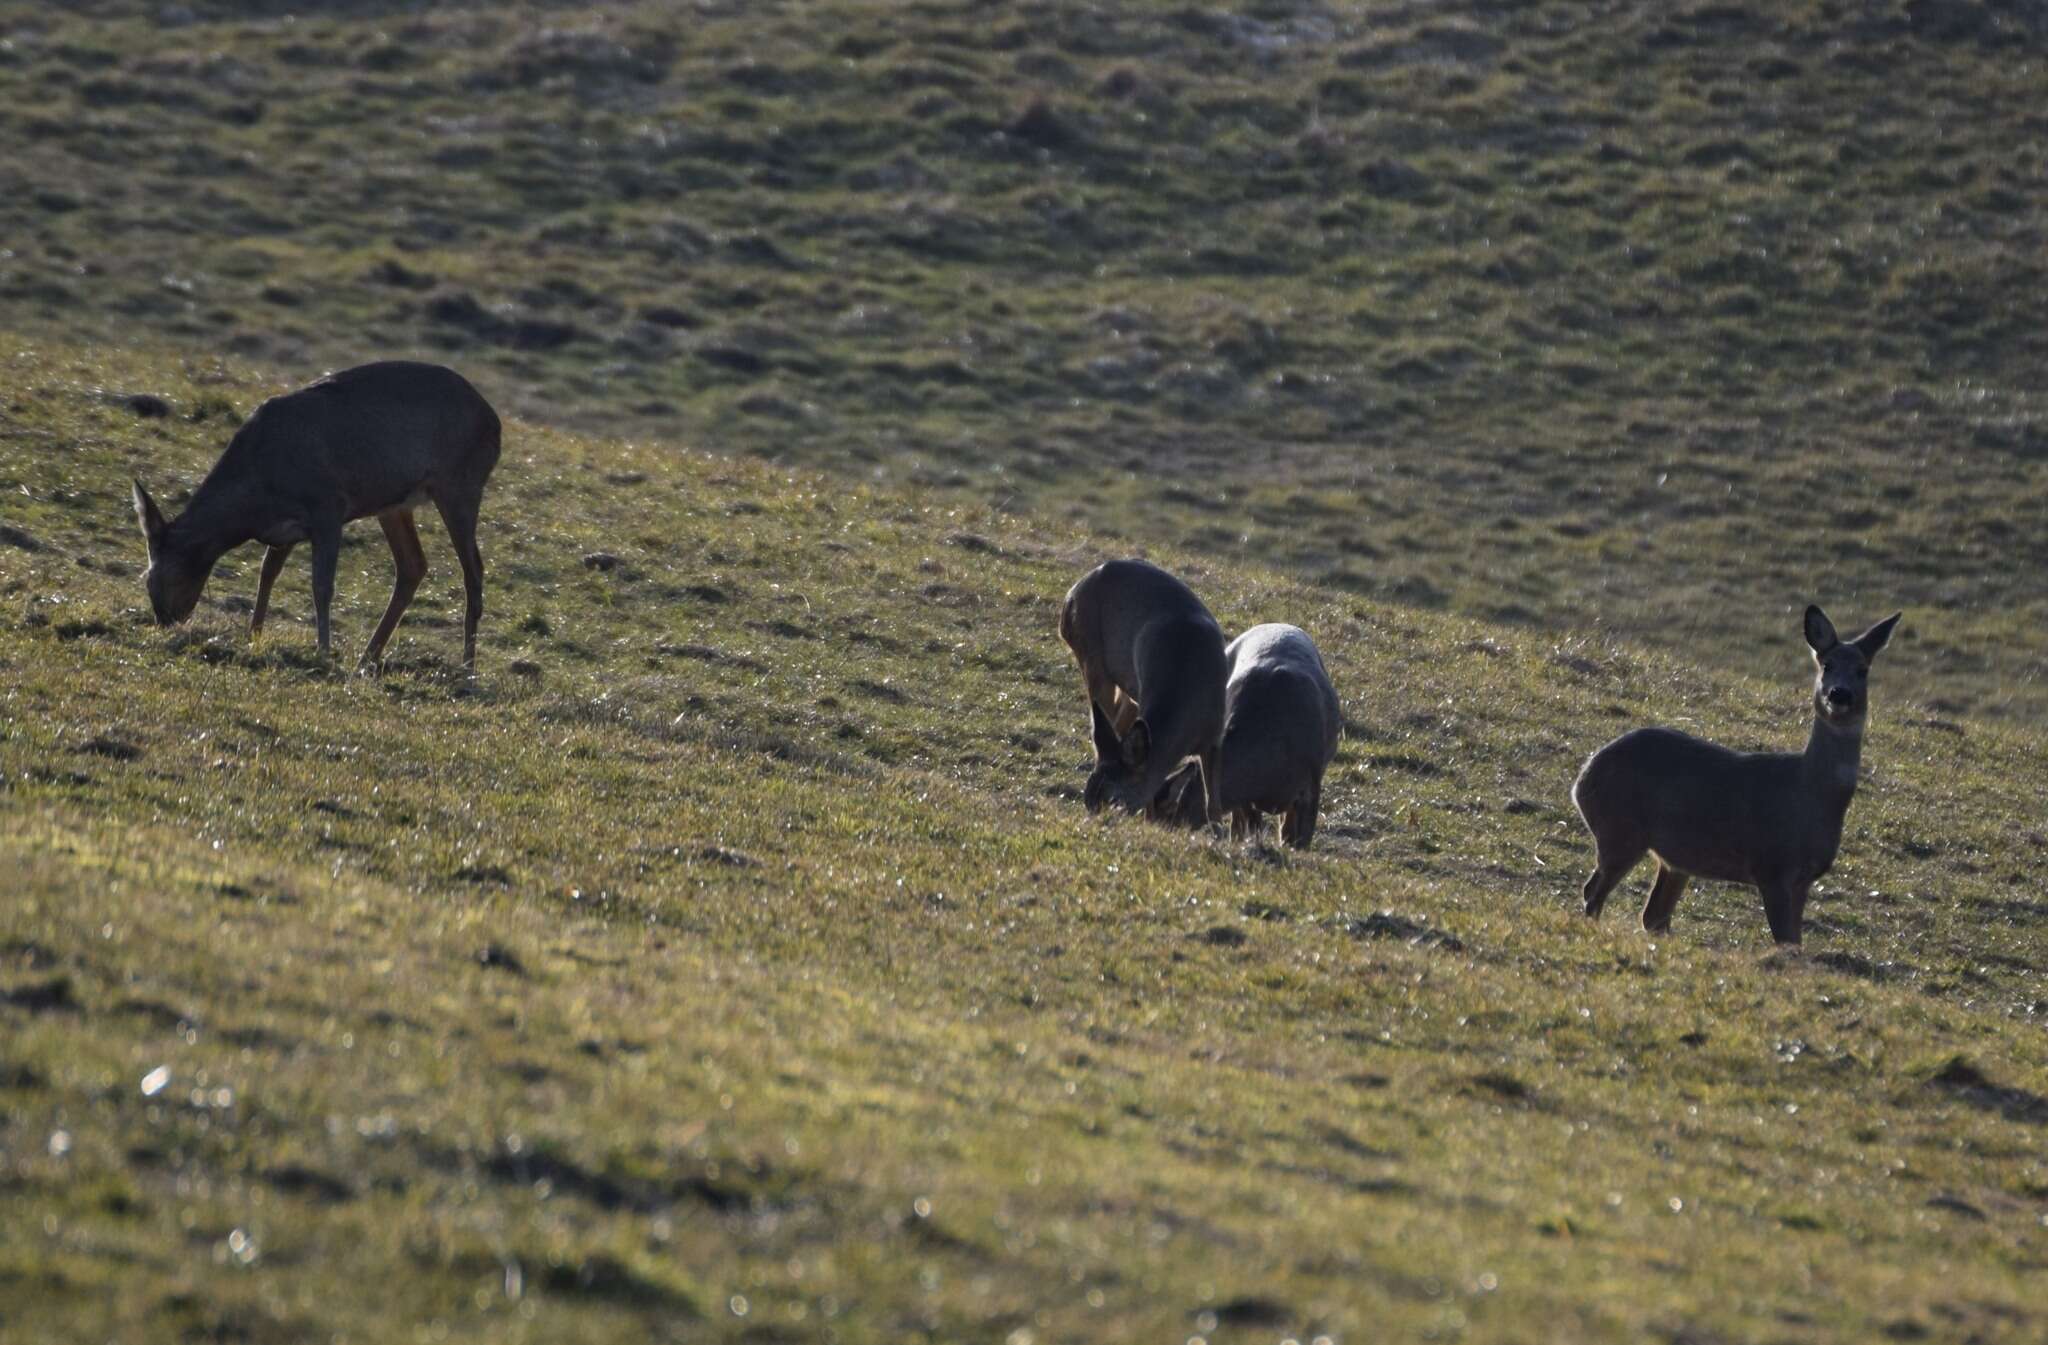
(1660, 319)
(734, 960)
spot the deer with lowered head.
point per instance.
(1281, 723)
(1152, 659)
(377, 439)
(1772, 820)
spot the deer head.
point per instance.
(172, 581)
(1841, 683)
(1119, 775)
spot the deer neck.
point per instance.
(213, 524)
(1832, 757)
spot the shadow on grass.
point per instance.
(1961, 1078)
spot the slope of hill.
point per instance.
(734, 959)
(1657, 318)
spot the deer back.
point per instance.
(360, 442)
(1123, 606)
(1706, 810)
(1281, 719)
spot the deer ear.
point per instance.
(1137, 746)
(151, 518)
(1877, 637)
(1166, 803)
(1820, 632)
(1107, 748)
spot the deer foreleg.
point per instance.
(273, 563)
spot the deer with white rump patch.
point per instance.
(1152, 659)
(377, 439)
(1772, 820)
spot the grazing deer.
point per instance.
(1280, 728)
(377, 439)
(1152, 659)
(1769, 819)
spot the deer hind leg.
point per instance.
(410, 560)
(273, 563)
(1298, 823)
(1611, 865)
(1664, 895)
(459, 513)
(1102, 695)
(1102, 692)
(1122, 710)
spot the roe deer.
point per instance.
(1769, 819)
(377, 439)
(1280, 728)
(1152, 659)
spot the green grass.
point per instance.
(738, 941)
(733, 959)
(1658, 319)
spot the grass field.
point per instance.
(733, 958)
(737, 942)
(1657, 319)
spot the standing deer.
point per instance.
(377, 439)
(1769, 819)
(1280, 728)
(1152, 659)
